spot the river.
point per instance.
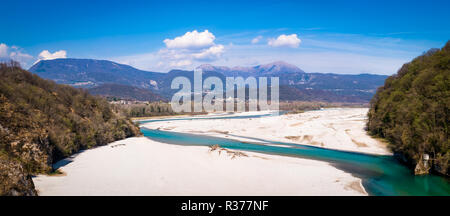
(381, 175)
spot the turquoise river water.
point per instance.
(381, 175)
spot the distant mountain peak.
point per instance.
(82, 63)
(91, 72)
(279, 63)
(270, 68)
(209, 67)
(279, 66)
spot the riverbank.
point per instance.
(140, 166)
(207, 115)
(335, 128)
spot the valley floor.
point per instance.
(336, 128)
(140, 166)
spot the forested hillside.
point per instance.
(42, 122)
(412, 111)
(125, 92)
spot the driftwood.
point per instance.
(117, 145)
(233, 154)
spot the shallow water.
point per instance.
(381, 175)
(224, 116)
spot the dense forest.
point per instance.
(41, 122)
(412, 109)
(146, 109)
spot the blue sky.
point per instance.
(318, 36)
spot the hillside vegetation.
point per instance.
(411, 111)
(146, 110)
(42, 122)
(125, 92)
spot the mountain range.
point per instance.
(295, 84)
(274, 68)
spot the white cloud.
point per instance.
(191, 47)
(211, 53)
(327, 53)
(257, 39)
(285, 41)
(20, 57)
(191, 40)
(14, 53)
(46, 55)
(3, 50)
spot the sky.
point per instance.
(346, 37)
